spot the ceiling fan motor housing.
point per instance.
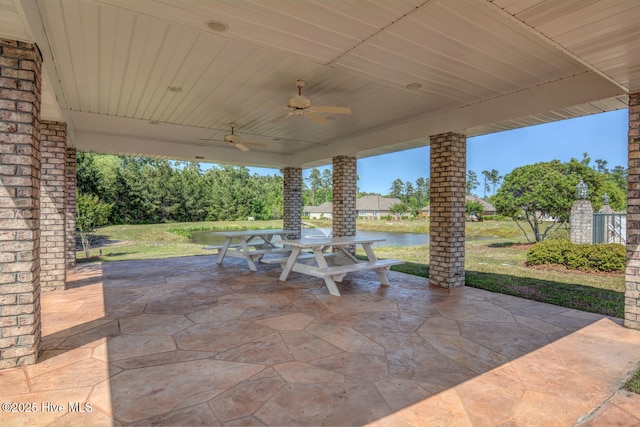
(231, 138)
(299, 102)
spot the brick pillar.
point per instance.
(581, 221)
(70, 209)
(345, 189)
(20, 79)
(292, 200)
(53, 148)
(448, 175)
(632, 276)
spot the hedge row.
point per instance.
(598, 257)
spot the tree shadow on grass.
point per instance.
(509, 245)
(97, 241)
(580, 297)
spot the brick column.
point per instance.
(581, 221)
(345, 189)
(292, 202)
(70, 209)
(632, 276)
(53, 148)
(448, 175)
(20, 80)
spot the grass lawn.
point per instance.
(633, 384)
(495, 258)
(149, 241)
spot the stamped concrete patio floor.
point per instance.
(184, 341)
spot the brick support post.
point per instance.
(581, 221)
(345, 189)
(53, 148)
(632, 276)
(20, 80)
(70, 209)
(292, 200)
(448, 179)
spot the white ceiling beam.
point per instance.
(575, 90)
(118, 144)
(30, 14)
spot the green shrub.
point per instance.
(548, 252)
(607, 257)
(598, 257)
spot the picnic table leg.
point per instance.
(223, 251)
(293, 257)
(383, 274)
(247, 256)
(328, 280)
(331, 286)
(369, 251)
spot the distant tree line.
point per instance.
(318, 188)
(413, 196)
(492, 179)
(142, 190)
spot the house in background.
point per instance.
(324, 211)
(488, 208)
(375, 206)
(367, 207)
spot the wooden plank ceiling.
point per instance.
(150, 77)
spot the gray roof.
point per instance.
(364, 203)
(376, 203)
(488, 207)
(326, 207)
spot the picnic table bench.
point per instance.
(343, 262)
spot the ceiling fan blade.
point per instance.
(241, 147)
(330, 109)
(316, 118)
(255, 144)
(210, 139)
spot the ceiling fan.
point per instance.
(234, 140)
(300, 105)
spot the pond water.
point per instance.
(391, 239)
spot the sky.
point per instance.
(602, 136)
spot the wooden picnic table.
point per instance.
(251, 245)
(341, 259)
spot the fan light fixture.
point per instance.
(217, 26)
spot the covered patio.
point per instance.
(185, 341)
(305, 84)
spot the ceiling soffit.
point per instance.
(481, 67)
